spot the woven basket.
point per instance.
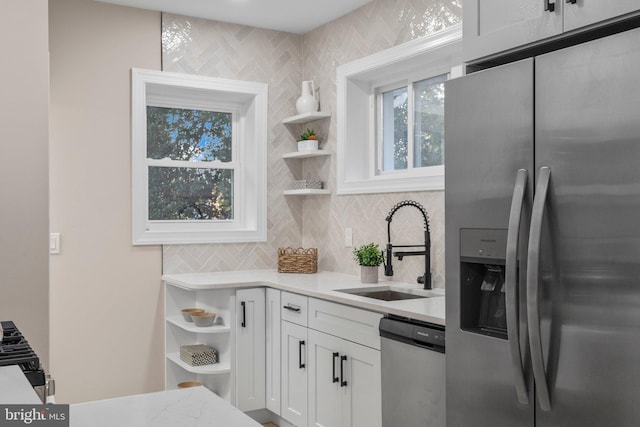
(198, 355)
(297, 260)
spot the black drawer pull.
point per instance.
(343, 383)
(300, 364)
(244, 314)
(548, 6)
(292, 308)
(572, 1)
(334, 378)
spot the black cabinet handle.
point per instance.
(300, 364)
(572, 1)
(244, 314)
(343, 383)
(334, 378)
(548, 6)
(289, 307)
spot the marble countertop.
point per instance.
(324, 285)
(195, 407)
(15, 388)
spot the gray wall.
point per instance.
(106, 295)
(24, 171)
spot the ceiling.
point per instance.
(294, 16)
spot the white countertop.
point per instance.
(324, 285)
(15, 388)
(195, 407)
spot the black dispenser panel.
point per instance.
(482, 270)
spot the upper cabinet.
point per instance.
(578, 15)
(498, 26)
(492, 26)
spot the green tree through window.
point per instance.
(428, 125)
(200, 190)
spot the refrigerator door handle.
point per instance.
(533, 308)
(511, 285)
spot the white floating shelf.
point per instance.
(306, 192)
(306, 154)
(306, 117)
(216, 368)
(188, 326)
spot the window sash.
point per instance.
(233, 165)
(379, 139)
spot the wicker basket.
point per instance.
(297, 260)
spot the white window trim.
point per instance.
(357, 156)
(247, 101)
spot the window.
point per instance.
(400, 149)
(199, 159)
(391, 116)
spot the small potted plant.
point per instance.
(308, 141)
(369, 257)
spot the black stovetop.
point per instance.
(15, 350)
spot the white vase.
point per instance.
(368, 274)
(307, 103)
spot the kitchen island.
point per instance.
(195, 406)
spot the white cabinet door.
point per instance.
(325, 392)
(345, 388)
(294, 374)
(363, 376)
(273, 308)
(492, 26)
(250, 349)
(583, 13)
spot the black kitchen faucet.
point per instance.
(388, 266)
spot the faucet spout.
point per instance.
(425, 279)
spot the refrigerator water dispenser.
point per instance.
(482, 263)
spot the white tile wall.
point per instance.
(203, 47)
(284, 60)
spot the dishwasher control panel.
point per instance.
(413, 332)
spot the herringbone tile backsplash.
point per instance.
(283, 60)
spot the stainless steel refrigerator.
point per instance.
(543, 240)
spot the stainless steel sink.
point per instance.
(384, 293)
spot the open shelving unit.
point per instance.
(306, 117)
(306, 192)
(217, 377)
(308, 154)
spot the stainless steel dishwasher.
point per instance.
(413, 373)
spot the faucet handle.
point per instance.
(388, 266)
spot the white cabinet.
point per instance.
(344, 383)
(273, 350)
(494, 26)
(346, 322)
(250, 349)
(578, 13)
(312, 362)
(178, 332)
(294, 373)
(331, 369)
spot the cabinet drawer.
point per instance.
(353, 324)
(294, 308)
